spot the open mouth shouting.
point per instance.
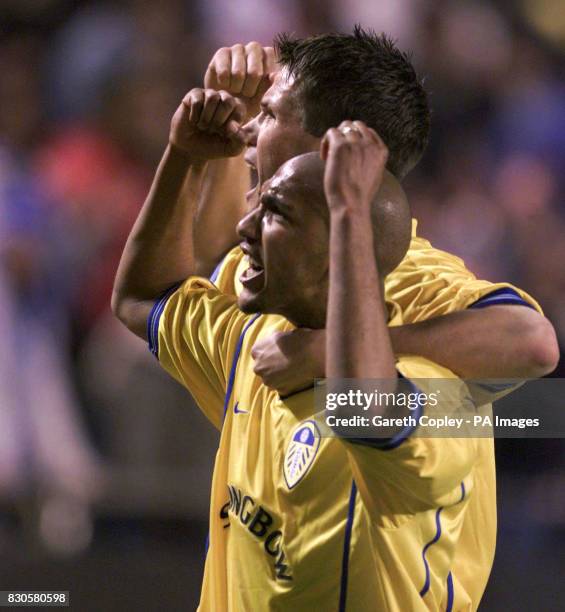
(253, 277)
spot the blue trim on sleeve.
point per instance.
(231, 379)
(346, 548)
(504, 295)
(493, 387)
(154, 318)
(216, 271)
(401, 436)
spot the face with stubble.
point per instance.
(277, 133)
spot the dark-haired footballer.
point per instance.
(272, 546)
(298, 521)
(438, 308)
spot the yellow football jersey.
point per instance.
(301, 522)
(427, 283)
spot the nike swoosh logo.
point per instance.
(236, 410)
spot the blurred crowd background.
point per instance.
(104, 462)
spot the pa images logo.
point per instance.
(301, 452)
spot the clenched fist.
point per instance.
(207, 125)
(242, 71)
(355, 159)
(290, 361)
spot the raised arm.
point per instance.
(355, 162)
(494, 342)
(159, 250)
(242, 71)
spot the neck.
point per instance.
(310, 320)
(311, 314)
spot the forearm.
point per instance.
(220, 207)
(494, 342)
(358, 342)
(159, 250)
(244, 72)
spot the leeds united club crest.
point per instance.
(300, 453)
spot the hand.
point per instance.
(207, 125)
(355, 159)
(243, 72)
(290, 361)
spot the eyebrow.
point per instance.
(265, 106)
(276, 201)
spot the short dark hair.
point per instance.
(360, 76)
